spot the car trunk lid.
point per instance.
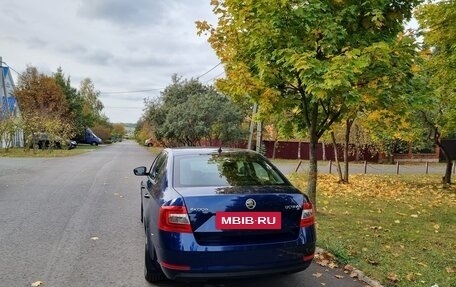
(248, 213)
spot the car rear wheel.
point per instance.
(152, 270)
(142, 208)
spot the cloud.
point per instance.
(35, 43)
(121, 45)
(123, 12)
(90, 56)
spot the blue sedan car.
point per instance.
(219, 213)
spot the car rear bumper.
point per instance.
(198, 275)
(189, 260)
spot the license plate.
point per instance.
(248, 220)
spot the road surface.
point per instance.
(75, 222)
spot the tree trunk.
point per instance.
(336, 157)
(447, 177)
(313, 169)
(348, 126)
(312, 179)
(446, 180)
(276, 142)
(323, 147)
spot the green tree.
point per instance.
(388, 91)
(437, 22)
(74, 101)
(203, 116)
(91, 106)
(305, 56)
(8, 127)
(188, 112)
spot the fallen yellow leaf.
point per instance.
(318, 275)
(393, 277)
(36, 284)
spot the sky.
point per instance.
(122, 46)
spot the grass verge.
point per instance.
(21, 152)
(399, 230)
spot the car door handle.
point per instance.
(146, 195)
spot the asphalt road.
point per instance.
(75, 222)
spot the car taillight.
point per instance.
(174, 219)
(174, 266)
(307, 215)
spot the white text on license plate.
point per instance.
(248, 220)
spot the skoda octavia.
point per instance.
(222, 213)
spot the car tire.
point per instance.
(142, 208)
(149, 145)
(152, 270)
(94, 143)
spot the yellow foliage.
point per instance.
(388, 187)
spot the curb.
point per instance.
(354, 273)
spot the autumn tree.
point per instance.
(42, 104)
(143, 130)
(103, 128)
(118, 131)
(437, 21)
(308, 57)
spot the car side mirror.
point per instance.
(139, 171)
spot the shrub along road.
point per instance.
(74, 221)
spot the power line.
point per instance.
(158, 89)
(132, 92)
(144, 90)
(209, 70)
(215, 77)
(12, 69)
(131, 108)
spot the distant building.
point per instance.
(9, 109)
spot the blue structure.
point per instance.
(9, 105)
(9, 109)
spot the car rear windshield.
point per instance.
(230, 169)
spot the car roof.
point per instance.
(205, 150)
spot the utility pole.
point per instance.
(3, 92)
(259, 136)
(3, 89)
(252, 126)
